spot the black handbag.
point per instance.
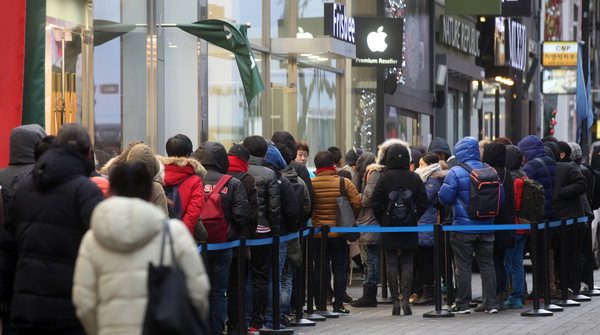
(170, 310)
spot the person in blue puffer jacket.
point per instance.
(432, 175)
(456, 192)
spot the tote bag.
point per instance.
(344, 215)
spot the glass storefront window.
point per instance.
(240, 12)
(280, 18)
(316, 109)
(231, 119)
(310, 18)
(283, 98)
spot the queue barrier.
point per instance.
(438, 229)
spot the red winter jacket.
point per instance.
(191, 190)
(518, 200)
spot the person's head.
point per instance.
(43, 146)
(212, 155)
(288, 154)
(440, 147)
(283, 138)
(494, 154)
(302, 152)
(549, 138)
(551, 149)
(415, 158)
(336, 154)
(256, 145)
(239, 151)
(503, 140)
(179, 146)
(482, 145)
(130, 180)
(564, 152)
(576, 154)
(143, 153)
(428, 159)
(76, 136)
(467, 149)
(352, 156)
(324, 159)
(514, 157)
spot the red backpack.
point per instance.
(213, 217)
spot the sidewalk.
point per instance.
(379, 321)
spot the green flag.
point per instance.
(234, 39)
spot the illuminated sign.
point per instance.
(559, 54)
(460, 35)
(337, 24)
(559, 81)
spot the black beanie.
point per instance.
(240, 152)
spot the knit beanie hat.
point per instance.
(352, 156)
(240, 152)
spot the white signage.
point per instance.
(337, 24)
(517, 36)
(376, 40)
(460, 35)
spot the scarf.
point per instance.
(328, 168)
(425, 172)
(237, 164)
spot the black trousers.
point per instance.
(424, 265)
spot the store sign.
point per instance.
(337, 24)
(559, 81)
(378, 41)
(517, 37)
(559, 54)
(516, 8)
(473, 7)
(460, 35)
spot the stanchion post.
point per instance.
(544, 267)
(300, 277)
(536, 311)
(310, 263)
(589, 245)
(437, 277)
(204, 252)
(383, 278)
(241, 283)
(323, 276)
(275, 292)
(448, 269)
(577, 295)
(565, 301)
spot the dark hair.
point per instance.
(131, 180)
(430, 158)
(179, 146)
(285, 138)
(565, 148)
(324, 159)
(75, 135)
(302, 145)
(43, 145)
(336, 154)
(503, 140)
(257, 145)
(287, 153)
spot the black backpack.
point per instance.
(299, 196)
(401, 209)
(174, 200)
(484, 198)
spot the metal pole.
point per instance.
(310, 262)
(437, 276)
(449, 273)
(577, 296)
(536, 311)
(323, 276)
(545, 269)
(299, 278)
(241, 283)
(565, 301)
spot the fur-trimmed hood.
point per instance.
(439, 174)
(182, 162)
(383, 147)
(159, 168)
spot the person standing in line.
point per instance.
(399, 188)
(336, 153)
(432, 175)
(56, 201)
(126, 233)
(186, 174)
(23, 140)
(302, 157)
(456, 192)
(327, 186)
(235, 208)
(351, 159)
(268, 223)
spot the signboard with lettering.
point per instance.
(459, 35)
(559, 54)
(337, 24)
(517, 38)
(378, 42)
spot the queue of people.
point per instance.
(92, 232)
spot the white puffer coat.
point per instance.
(110, 283)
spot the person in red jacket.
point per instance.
(186, 172)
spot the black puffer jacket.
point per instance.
(570, 186)
(213, 157)
(23, 140)
(50, 214)
(398, 175)
(494, 154)
(302, 172)
(268, 196)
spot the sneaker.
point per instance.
(347, 299)
(460, 309)
(479, 309)
(491, 311)
(253, 331)
(341, 309)
(513, 304)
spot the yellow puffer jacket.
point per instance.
(327, 187)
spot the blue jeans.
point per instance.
(370, 257)
(514, 268)
(287, 283)
(269, 308)
(218, 267)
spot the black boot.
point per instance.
(406, 286)
(392, 278)
(369, 298)
(426, 298)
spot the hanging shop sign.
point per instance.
(516, 8)
(559, 80)
(517, 37)
(337, 24)
(474, 7)
(559, 54)
(459, 35)
(378, 41)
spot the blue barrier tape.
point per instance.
(379, 229)
(289, 237)
(554, 224)
(259, 241)
(583, 219)
(487, 227)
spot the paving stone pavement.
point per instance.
(379, 321)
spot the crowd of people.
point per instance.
(76, 239)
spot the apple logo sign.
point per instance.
(303, 34)
(376, 40)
